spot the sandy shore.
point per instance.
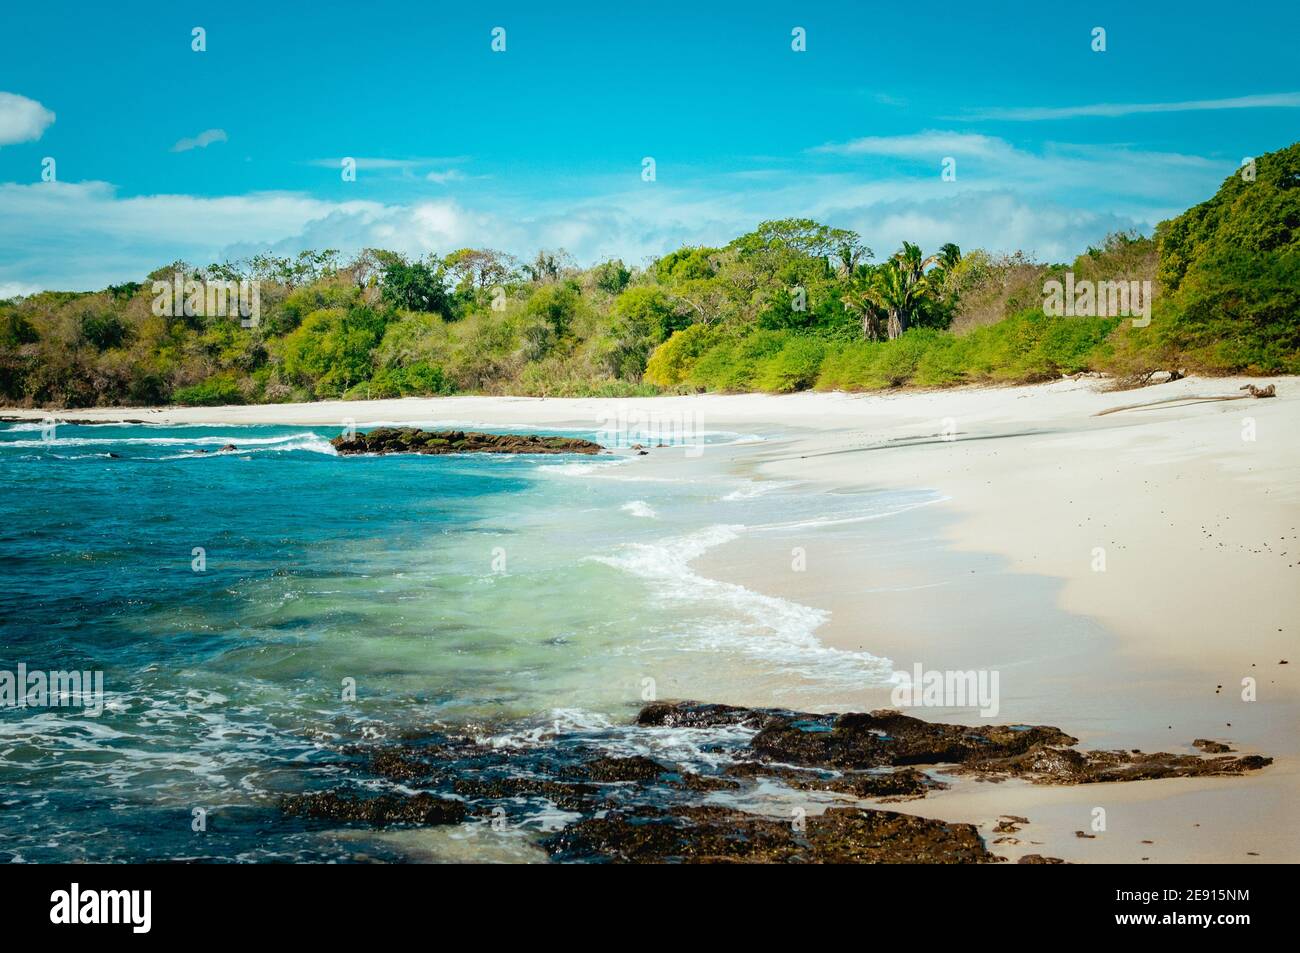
(1122, 573)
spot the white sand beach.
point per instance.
(1123, 573)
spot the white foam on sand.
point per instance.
(762, 627)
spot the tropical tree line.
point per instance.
(793, 304)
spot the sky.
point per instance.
(161, 152)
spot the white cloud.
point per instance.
(201, 141)
(22, 119)
(379, 163)
(1088, 174)
(12, 289)
(929, 144)
(1053, 203)
(1036, 113)
(442, 178)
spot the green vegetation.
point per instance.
(790, 306)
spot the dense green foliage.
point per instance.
(790, 306)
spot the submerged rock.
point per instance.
(566, 796)
(424, 809)
(414, 440)
(635, 768)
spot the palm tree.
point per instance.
(862, 300)
(889, 297)
(896, 291)
(949, 256)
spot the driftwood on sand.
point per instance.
(1251, 391)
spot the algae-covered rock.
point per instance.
(383, 440)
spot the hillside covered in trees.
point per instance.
(790, 306)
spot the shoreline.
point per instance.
(1198, 590)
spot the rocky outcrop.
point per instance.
(888, 738)
(634, 808)
(713, 834)
(1048, 765)
(413, 440)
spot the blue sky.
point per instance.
(162, 152)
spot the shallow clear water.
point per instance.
(506, 594)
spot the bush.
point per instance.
(672, 361)
(792, 368)
(415, 380)
(732, 364)
(216, 391)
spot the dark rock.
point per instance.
(700, 715)
(413, 440)
(375, 811)
(885, 737)
(721, 835)
(635, 768)
(900, 784)
(568, 797)
(1047, 765)
(1039, 859)
(702, 783)
(642, 809)
(1210, 747)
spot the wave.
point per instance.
(311, 444)
(814, 522)
(27, 427)
(639, 508)
(760, 626)
(297, 441)
(594, 468)
(755, 488)
(587, 730)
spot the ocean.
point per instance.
(257, 614)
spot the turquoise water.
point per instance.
(344, 600)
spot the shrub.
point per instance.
(216, 391)
(792, 368)
(673, 360)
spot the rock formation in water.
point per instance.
(414, 440)
(639, 809)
